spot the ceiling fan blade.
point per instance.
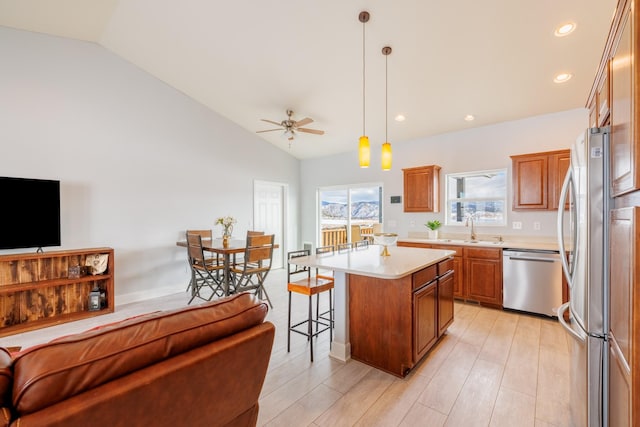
(304, 121)
(268, 130)
(314, 131)
(272, 122)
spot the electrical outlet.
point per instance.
(517, 225)
(412, 224)
(536, 225)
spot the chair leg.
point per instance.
(289, 325)
(311, 326)
(317, 310)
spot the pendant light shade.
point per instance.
(364, 151)
(386, 156)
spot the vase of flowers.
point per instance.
(227, 228)
(433, 226)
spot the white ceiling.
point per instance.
(249, 60)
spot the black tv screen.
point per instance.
(30, 215)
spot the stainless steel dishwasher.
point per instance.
(532, 280)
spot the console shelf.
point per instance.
(36, 291)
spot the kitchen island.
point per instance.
(389, 311)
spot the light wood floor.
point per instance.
(492, 368)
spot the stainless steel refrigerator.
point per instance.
(583, 234)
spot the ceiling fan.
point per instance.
(291, 126)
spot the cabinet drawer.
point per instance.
(482, 253)
(458, 249)
(445, 266)
(424, 276)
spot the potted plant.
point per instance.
(433, 227)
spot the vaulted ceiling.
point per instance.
(251, 60)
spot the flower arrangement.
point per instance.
(227, 223)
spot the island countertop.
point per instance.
(369, 262)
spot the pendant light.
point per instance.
(386, 147)
(364, 151)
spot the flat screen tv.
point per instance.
(30, 213)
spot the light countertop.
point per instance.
(369, 262)
(511, 244)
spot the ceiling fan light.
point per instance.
(386, 156)
(364, 152)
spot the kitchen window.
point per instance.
(480, 194)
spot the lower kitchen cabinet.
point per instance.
(394, 323)
(425, 319)
(445, 301)
(483, 274)
(478, 272)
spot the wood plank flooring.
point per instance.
(492, 368)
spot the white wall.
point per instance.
(482, 148)
(138, 161)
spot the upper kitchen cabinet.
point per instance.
(537, 179)
(624, 108)
(421, 189)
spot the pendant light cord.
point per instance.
(363, 80)
(386, 97)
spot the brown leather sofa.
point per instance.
(201, 365)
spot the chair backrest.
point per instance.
(361, 244)
(259, 249)
(255, 233)
(330, 249)
(194, 249)
(356, 234)
(205, 234)
(293, 269)
(342, 247)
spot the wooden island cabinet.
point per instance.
(37, 289)
(394, 323)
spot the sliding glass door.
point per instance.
(348, 213)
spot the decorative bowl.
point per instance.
(385, 239)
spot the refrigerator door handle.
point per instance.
(564, 194)
(561, 310)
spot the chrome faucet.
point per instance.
(469, 220)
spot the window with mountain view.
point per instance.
(341, 207)
(481, 194)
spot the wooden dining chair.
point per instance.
(205, 273)
(211, 258)
(308, 285)
(251, 273)
(237, 258)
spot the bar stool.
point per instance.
(309, 286)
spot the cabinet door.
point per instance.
(530, 174)
(484, 280)
(445, 302)
(624, 322)
(624, 151)
(421, 187)
(603, 98)
(558, 166)
(425, 319)
(458, 278)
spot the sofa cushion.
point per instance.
(6, 377)
(52, 372)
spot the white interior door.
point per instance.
(268, 214)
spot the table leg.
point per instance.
(341, 346)
(227, 273)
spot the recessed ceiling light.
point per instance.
(565, 29)
(400, 118)
(469, 118)
(562, 77)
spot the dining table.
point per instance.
(235, 246)
(228, 252)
